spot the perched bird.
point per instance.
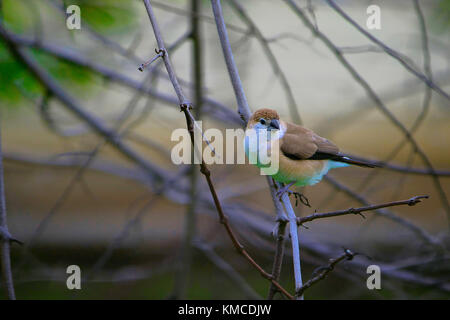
(304, 157)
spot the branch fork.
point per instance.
(5, 235)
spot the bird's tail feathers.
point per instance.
(360, 163)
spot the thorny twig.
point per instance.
(321, 272)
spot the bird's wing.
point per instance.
(301, 143)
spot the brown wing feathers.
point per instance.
(303, 144)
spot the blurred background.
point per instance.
(74, 199)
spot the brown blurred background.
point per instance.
(40, 162)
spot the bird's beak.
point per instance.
(274, 123)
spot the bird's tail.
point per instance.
(360, 163)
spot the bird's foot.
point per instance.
(303, 199)
(283, 190)
(298, 196)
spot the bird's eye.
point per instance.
(262, 121)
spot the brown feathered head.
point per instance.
(265, 118)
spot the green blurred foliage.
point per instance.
(107, 16)
(17, 15)
(440, 20)
(15, 80)
(104, 16)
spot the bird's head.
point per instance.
(264, 119)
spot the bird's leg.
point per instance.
(303, 199)
(298, 196)
(285, 189)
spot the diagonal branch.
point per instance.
(322, 272)
(272, 59)
(394, 54)
(73, 56)
(96, 124)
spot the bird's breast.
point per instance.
(304, 172)
(258, 149)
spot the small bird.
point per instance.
(304, 157)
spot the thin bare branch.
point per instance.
(243, 108)
(410, 202)
(213, 107)
(149, 62)
(272, 59)
(424, 235)
(403, 169)
(394, 54)
(322, 272)
(188, 13)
